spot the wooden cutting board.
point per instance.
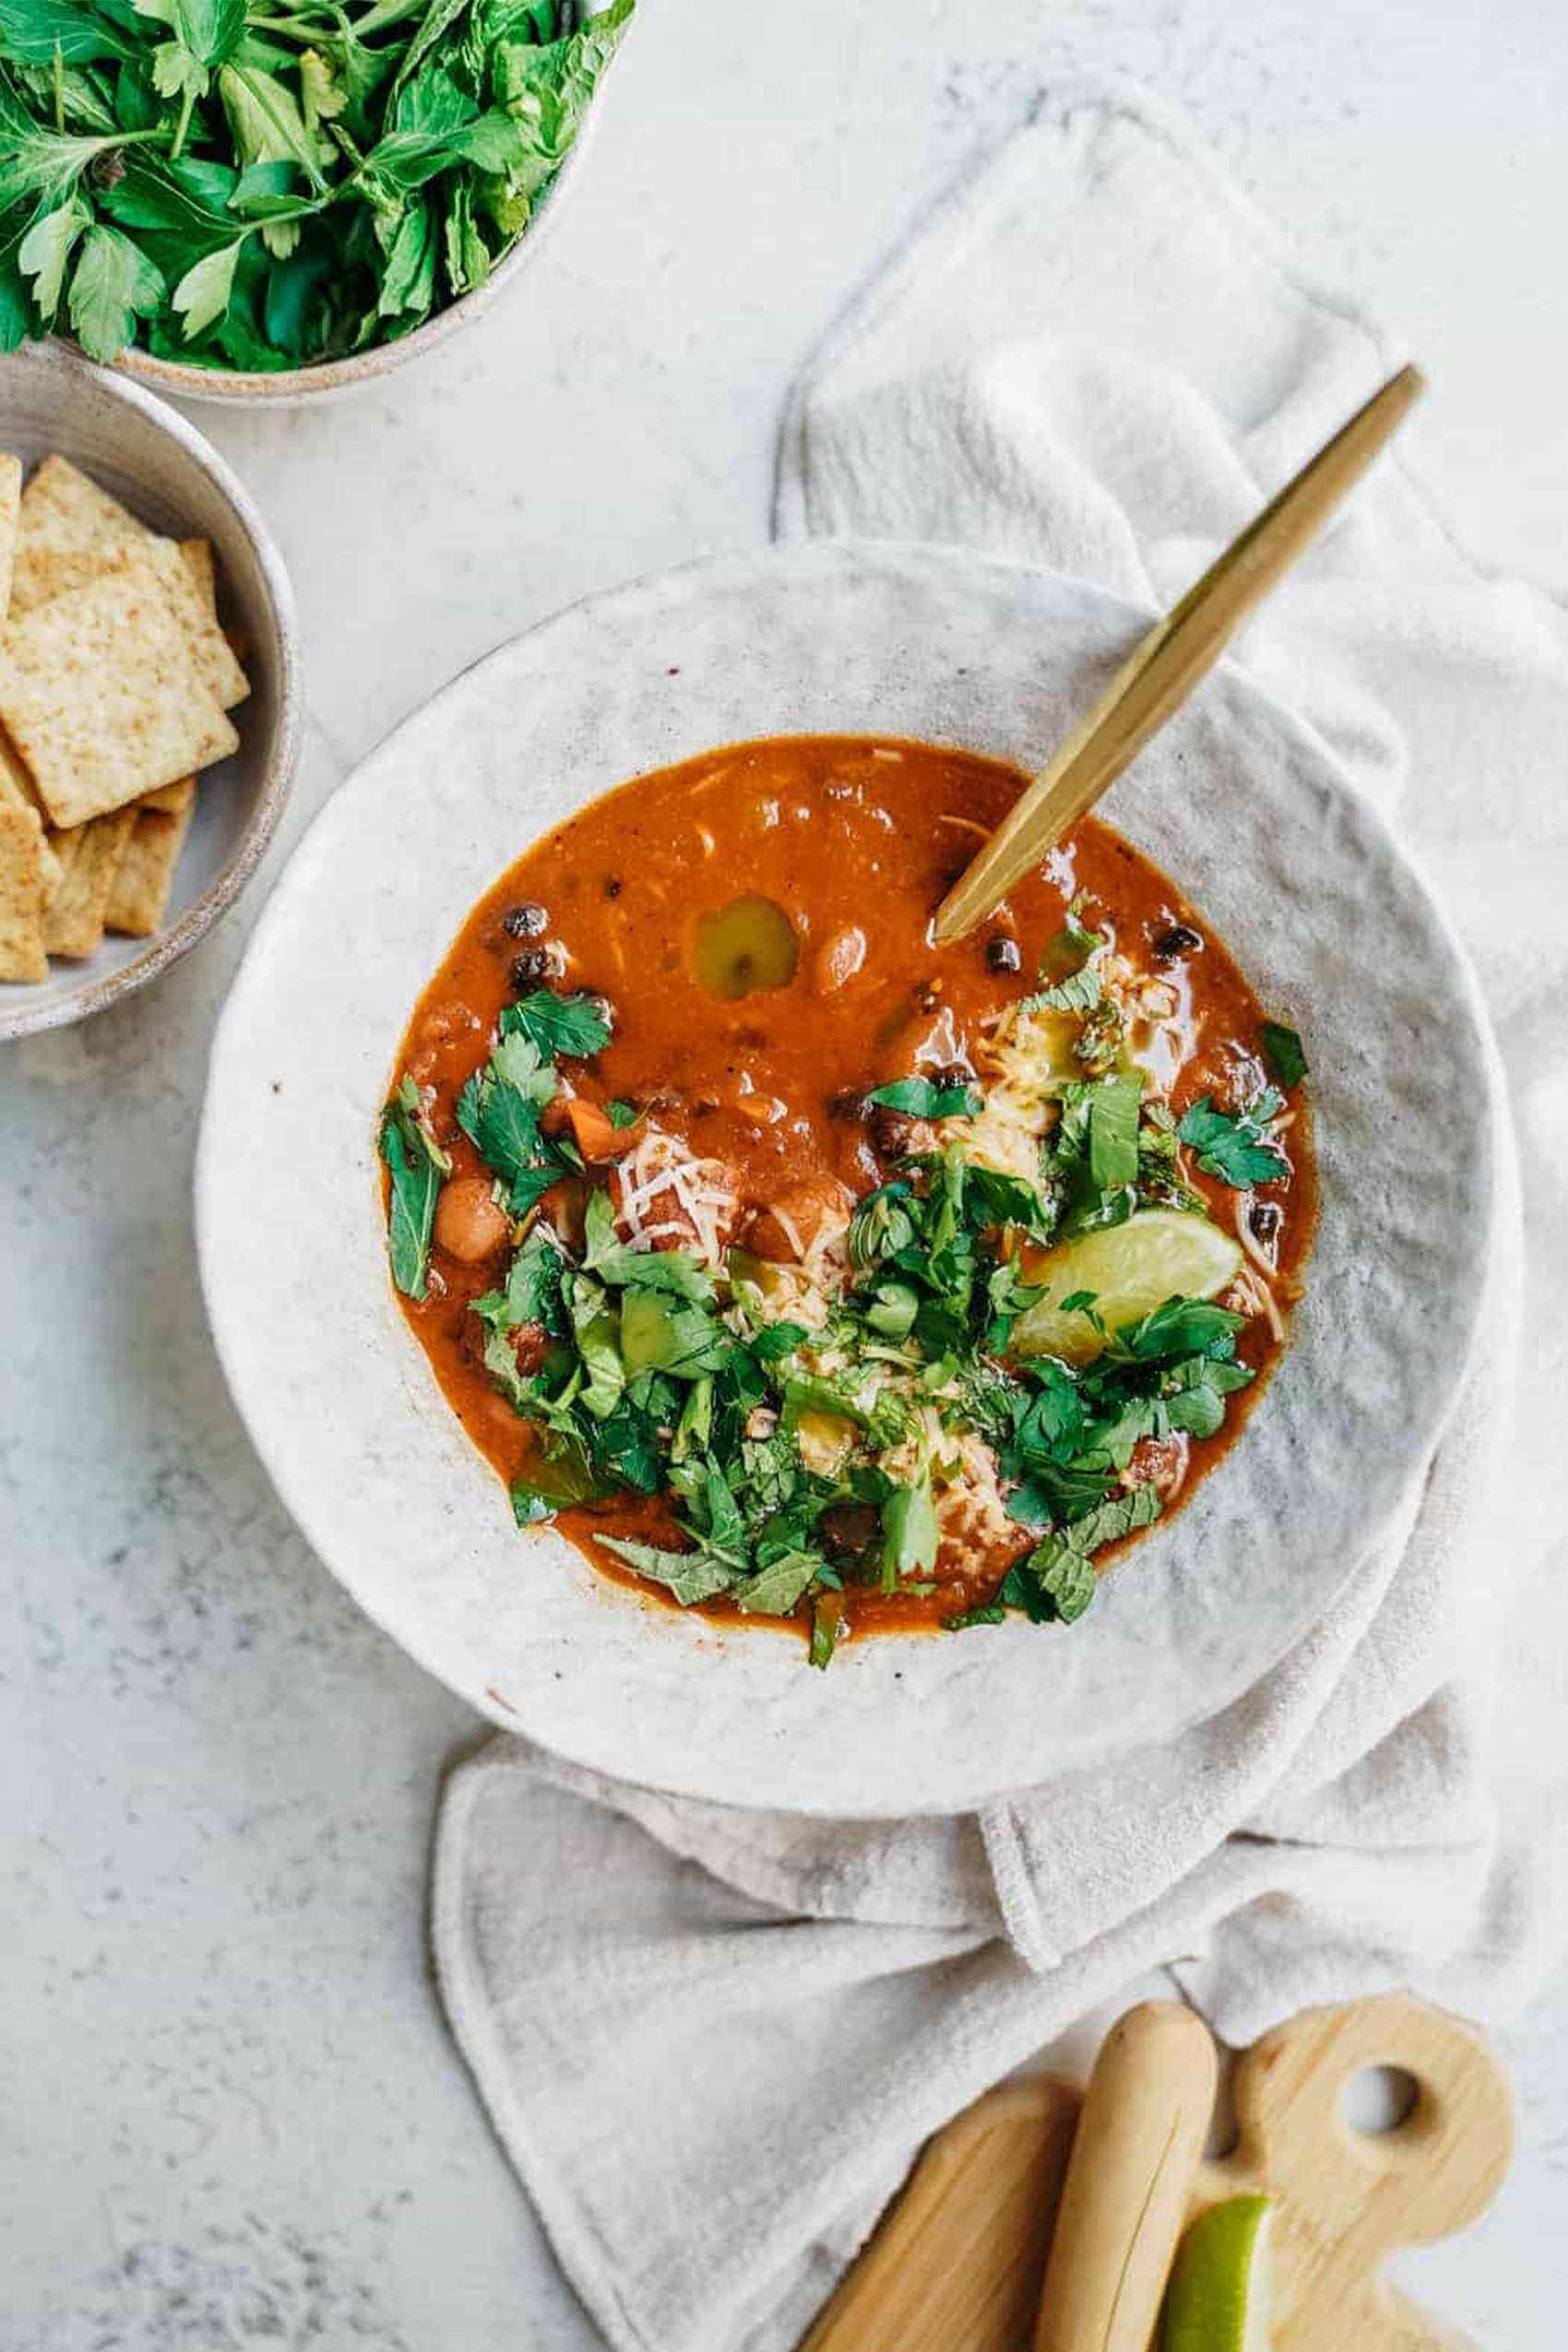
(958, 2264)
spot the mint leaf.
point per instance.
(1113, 1132)
(777, 1589)
(1121, 1515)
(417, 1166)
(1080, 992)
(690, 1575)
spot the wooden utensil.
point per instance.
(957, 2265)
(1166, 665)
(1135, 2152)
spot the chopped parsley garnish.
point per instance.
(1283, 1051)
(1237, 1148)
(573, 1024)
(808, 1440)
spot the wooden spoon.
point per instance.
(1164, 668)
(1136, 2151)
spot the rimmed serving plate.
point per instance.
(1247, 811)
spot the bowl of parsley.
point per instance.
(239, 205)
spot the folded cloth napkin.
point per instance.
(712, 2039)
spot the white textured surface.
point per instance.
(232, 2114)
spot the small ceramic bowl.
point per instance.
(160, 467)
(291, 387)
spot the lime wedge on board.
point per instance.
(1132, 1268)
(1217, 2298)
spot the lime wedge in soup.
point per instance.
(1217, 2298)
(1131, 1269)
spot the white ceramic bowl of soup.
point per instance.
(1247, 813)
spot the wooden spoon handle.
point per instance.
(1139, 2141)
(1166, 664)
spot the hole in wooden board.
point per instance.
(1379, 2100)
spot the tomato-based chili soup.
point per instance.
(757, 922)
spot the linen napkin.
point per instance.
(711, 2040)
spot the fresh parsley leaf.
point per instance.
(570, 1025)
(1236, 1148)
(777, 1340)
(532, 1292)
(476, 105)
(923, 1098)
(111, 286)
(1182, 1327)
(33, 32)
(621, 1114)
(991, 1612)
(1284, 1054)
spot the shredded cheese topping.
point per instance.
(666, 1193)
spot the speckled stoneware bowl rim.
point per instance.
(1239, 803)
(165, 948)
(290, 387)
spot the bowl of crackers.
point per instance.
(149, 697)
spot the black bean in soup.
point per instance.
(1176, 940)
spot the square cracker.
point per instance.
(10, 501)
(197, 616)
(67, 530)
(21, 896)
(141, 893)
(15, 789)
(102, 696)
(73, 924)
(198, 555)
